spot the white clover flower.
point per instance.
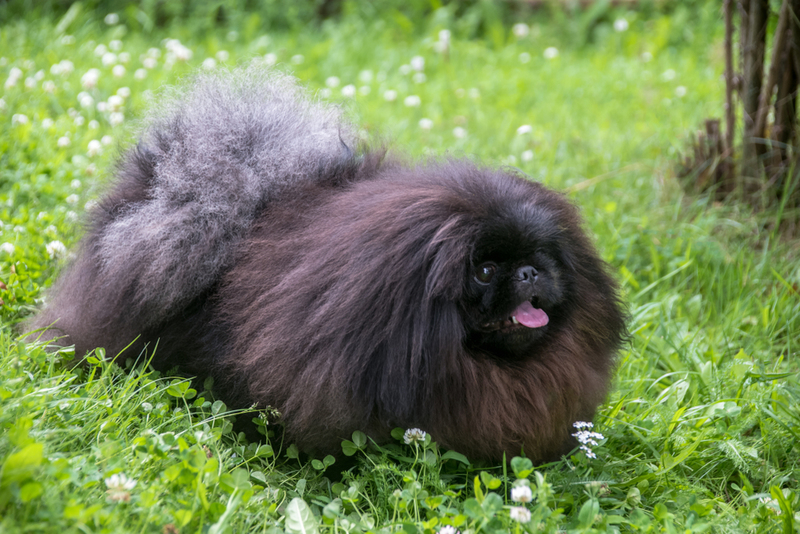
(100, 50)
(114, 103)
(55, 249)
(680, 91)
(425, 124)
(30, 83)
(39, 76)
(140, 74)
(390, 95)
(417, 63)
(8, 248)
(19, 118)
(93, 124)
(551, 52)
(349, 91)
(405, 70)
(90, 79)
(109, 58)
(118, 71)
(209, 63)
(587, 438)
(522, 494)
(449, 529)
(668, 75)
(95, 147)
(119, 487)
(297, 59)
(332, 81)
(71, 216)
(2, 104)
(13, 77)
(49, 86)
(647, 57)
(153, 52)
(85, 100)
(115, 45)
(150, 62)
(51, 229)
(47, 123)
(271, 58)
(72, 199)
(527, 156)
(107, 140)
(419, 77)
(63, 141)
(520, 514)
(524, 57)
(524, 129)
(412, 101)
(179, 51)
(124, 57)
(116, 118)
(55, 69)
(223, 55)
(521, 30)
(124, 92)
(365, 76)
(459, 132)
(111, 19)
(620, 25)
(511, 159)
(364, 90)
(79, 120)
(444, 36)
(414, 435)
(75, 184)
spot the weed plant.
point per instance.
(701, 432)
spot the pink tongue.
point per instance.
(529, 316)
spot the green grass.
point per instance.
(702, 429)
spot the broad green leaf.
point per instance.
(299, 519)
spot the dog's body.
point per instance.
(247, 239)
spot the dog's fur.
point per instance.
(247, 237)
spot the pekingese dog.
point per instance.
(248, 237)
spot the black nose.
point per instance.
(527, 274)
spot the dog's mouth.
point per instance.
(525, 316)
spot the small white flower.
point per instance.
(270, 59)
(50, 229)
(668, 75)
(115, 45)
(153, 52)
(448, 529)
(349, 91)
(49, 86)
(521, 30)
(100, 50)
(90, 79)
(109, 58)
(19, 118)
(30, 83)
(118, 71)
(209, 63)
(390, 95)
(527, 156)
(63, 141)
(85, 100)
(93, 124)
(459, 132)
(223, 55)
(2, 104)
(524, 129)
(94, 148)
(332, 81)
(72, 199)
(124, 57)
(150, 62)
(107, 140)
(79, 120)
(365, 76)
(680, 91)
(405, 70)
(140, 74)
(620, 25)
(412, 101)
(417, 63)
(55, 249)
(111, 19)
(419, 77)
(520, 514)
(116, 118)
(119, 487)
(524, 57)
(364, 90)
(647, 57)
(551, 52)
(444, 36)
(114, 103)
(71, 216)
(76, 184)
(124, 92)
(7, 247)
(413, 435)
(298, 59)
(522, 494)
(425, 124)
(47, 123)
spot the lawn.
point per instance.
(701, 432)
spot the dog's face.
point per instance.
(516, 289)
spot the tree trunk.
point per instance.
(753, 55)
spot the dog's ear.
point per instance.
(448, 256)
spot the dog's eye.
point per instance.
(484, 273)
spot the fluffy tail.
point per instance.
(208, 159)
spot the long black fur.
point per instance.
(248, 237)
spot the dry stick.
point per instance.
(772, 79)
(730, 114)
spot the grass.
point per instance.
(701, 431)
